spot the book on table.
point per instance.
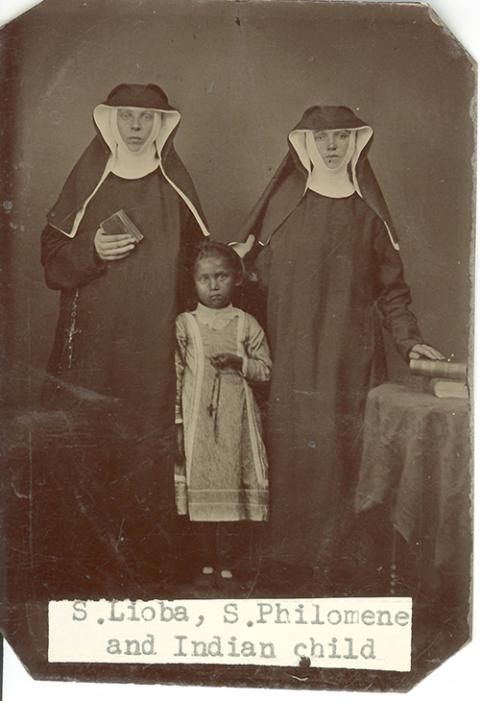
(446, 379)
(452, 389)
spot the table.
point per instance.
(416, 462)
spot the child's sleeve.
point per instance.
(257, 363)
(180, 356)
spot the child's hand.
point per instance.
(222, 361)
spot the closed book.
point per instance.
(439, 368)
(120, 223)
(454, 389)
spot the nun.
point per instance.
(116, 246)
(326, 255)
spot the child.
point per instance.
(220, 349)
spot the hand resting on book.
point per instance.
(423, 350)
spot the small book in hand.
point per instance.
(120, 223)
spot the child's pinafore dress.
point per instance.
(225, 475)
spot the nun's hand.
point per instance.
(241, 249)
(422, 350)
(113, 246)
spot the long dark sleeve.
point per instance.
(69, 262)
(191, 237)
(394, 295)
(191, 234)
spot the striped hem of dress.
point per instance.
(227, 512)
(225, 505)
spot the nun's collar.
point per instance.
(122, 161)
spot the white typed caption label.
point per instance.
(354, 633)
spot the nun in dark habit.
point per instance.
(111, 372)
(327, 259)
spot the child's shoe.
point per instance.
(205, 580)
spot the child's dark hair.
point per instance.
(215, 249)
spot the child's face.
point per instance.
(215, 282)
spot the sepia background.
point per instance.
(242, 74)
